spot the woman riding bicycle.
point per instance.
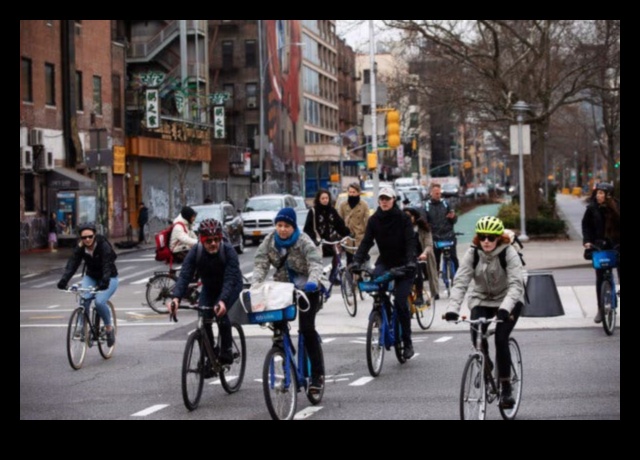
(297, 260)
(424, 241)
(497, 292)
(99, 270)
(601, 226)
(355, 213)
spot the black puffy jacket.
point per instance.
(100, 265)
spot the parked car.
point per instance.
(480, 191)
(225, 213)
(301, 209)
(259, 212)
(450, 190)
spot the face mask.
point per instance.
(353, 200)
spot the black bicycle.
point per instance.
(607, 260)
(202, 360)
(340, 275)
(86, 327)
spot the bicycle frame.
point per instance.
(447, 262)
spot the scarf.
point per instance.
(284, 244)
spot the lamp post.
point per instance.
(520, 107)
(263, 71)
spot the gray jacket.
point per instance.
(304, 260)
(493, 286)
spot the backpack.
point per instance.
(163, 237)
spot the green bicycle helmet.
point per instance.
(490, 225)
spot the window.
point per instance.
(29, 193)
(250, 53)
(116, 100)
(414, 119)
(27, 82)
(227, 54)
(49, 84)
(252, 133)
(97, 95)
(228, 88)
(79, 101)
(252, 95)
(366, 76)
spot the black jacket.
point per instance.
(441, 226)
(328, 224)
(143, 216)
(393, 232)
(99, 266)
(221, 280)
(601, 222)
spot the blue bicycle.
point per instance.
(448, 269)
(384, 330)
(607, 260)
(283, 373)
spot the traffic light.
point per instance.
(372, 160)
(393, 128)
(414, 145)
(617, 164)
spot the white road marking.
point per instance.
(361, 381)
(150, 410)
(443, 339)
(53, 306)
(328, 340)
(307, 412)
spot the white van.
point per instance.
(404, 182)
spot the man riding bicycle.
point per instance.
(441, 217)
(99, 270)
(221, 282)
(497, 292)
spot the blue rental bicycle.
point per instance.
(383, 330)
(448, 269)
(285, 373)
(607, 260)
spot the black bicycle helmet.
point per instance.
(605, 187)
(87, 226)
(210, 227)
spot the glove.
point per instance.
(503, 315)
(410, 268)
(62, 284)
(355, 267)
(310, 287)
(451, 316)
(103, 285)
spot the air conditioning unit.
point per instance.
(26, 158)
(35, 137)
(251, 104)
(45, 161)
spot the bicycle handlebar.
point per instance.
(76, 289)
(342, 242)
(481, 320)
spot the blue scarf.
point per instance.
(284, 244)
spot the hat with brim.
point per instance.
(387, 192)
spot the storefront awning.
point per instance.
(68, 179)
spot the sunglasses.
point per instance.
(212, 240)
(87, 237)
(491, 238)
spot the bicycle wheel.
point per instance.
(193, 370)
(313, 398)
(399, 344)
(607, 299)
(77, 333)
(375, 350)
(516, 380)
(105, 350)
(426, 313)
(473, 397)
(159, 290)
(231, 377)
(348, 293)
(279, 385)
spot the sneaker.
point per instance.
(436, 297)
(506, 398)
(111, 338)
(408, 351)
(419, 301)
(226, 357)
(316, 386)
(208, 372)
(598, 317)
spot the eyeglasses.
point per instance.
(491, 238)
(212, 240)
(87, 237)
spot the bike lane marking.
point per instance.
(307, 412)
(150, 410)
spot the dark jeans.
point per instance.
(307, 324)
(503, 331)
(401, 290)
(454, 256)
(141, 234)
(224, 324)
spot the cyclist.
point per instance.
(601, 226)
(99, 270)
(424, 248)
(441, 217)
(355, 213)
(297, 260)
(183, 237)
(221, 282)
(392, 231)
(497, 292)
(324, 223)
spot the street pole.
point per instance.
(262, 66)
(521, 107)
(546, 171)
(374, 113)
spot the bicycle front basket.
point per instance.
(271, 316)
(605, 259)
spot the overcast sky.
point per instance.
(356, 33)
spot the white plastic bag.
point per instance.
(269, 295)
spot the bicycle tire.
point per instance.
(281, 399)
(473, 395)
(607, 300)
(159, 289)
(105, 350)
(231, 378)
(375, 351)
(516, 380)
(426, 314)
(313, 398)
(193, 370)
(77, 333)
(399, 344)
(349, 295)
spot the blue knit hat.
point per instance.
(287, 215)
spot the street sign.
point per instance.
(526, 139)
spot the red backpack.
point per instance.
(163, 237)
